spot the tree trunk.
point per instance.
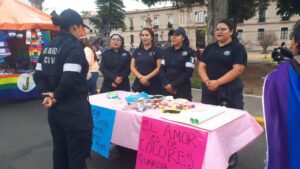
(217, 10)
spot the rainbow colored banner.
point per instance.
(18, 87)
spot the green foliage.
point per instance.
(288, 7)
(111, 13)
(240, 10)
(196, 82)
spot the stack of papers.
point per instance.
(209, 119)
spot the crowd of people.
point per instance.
(67, 82)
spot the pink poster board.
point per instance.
(169, 146)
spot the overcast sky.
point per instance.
(88, 5)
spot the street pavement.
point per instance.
(25, 140)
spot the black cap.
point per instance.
(71, 17)
(178, 31)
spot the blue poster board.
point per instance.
(103, 126)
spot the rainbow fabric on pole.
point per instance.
(281, 102)
(9, 89)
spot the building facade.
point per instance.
(193, 19)
(164, 19)
(264, 23)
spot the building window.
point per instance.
(200, 17)
(131, 39)
(181, 18)
(260, 34)
(240, 34)
(131, 24)
(284, 34)
(170, 21)
(285, 17)
(143, 21)
(262, 14)
(156, 38)
(156, 22)
(169, 38)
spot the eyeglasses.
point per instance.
(221, 29)
(117, 40)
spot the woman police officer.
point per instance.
(178, 66)
(145, 65)
(61, 75)
(115, 65)
(219, 68)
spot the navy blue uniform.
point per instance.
(146, 62)
(219, 61)
(177, 68)
(62, 69)
(115, 64)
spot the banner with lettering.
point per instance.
(165, 145)
(103, 127)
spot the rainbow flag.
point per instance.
(281, 102)
(11, 89)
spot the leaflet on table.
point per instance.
(209, 119)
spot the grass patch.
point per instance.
(196, 82)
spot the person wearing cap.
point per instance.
(145, 65)
(60, 75)
(115, 65)
(177, 66)
(220, 66)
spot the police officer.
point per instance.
(145, 65)
(61, 75)
(178, 65)
(115, 65)
(220, 66)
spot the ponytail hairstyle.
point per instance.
(232, 27)
(186, 42)
(151, 34)
(58, 21)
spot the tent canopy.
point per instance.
(16, 15)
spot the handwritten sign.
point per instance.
(163, 145)
(103, 126)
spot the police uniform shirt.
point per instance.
(220, 60)
(145, 60)
(177, 66)
(62, 69)
(115, 64)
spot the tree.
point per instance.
(241, 10)
(85, 13)
(110, 16)
(267, 40)
(217, 10)
(288, 7)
